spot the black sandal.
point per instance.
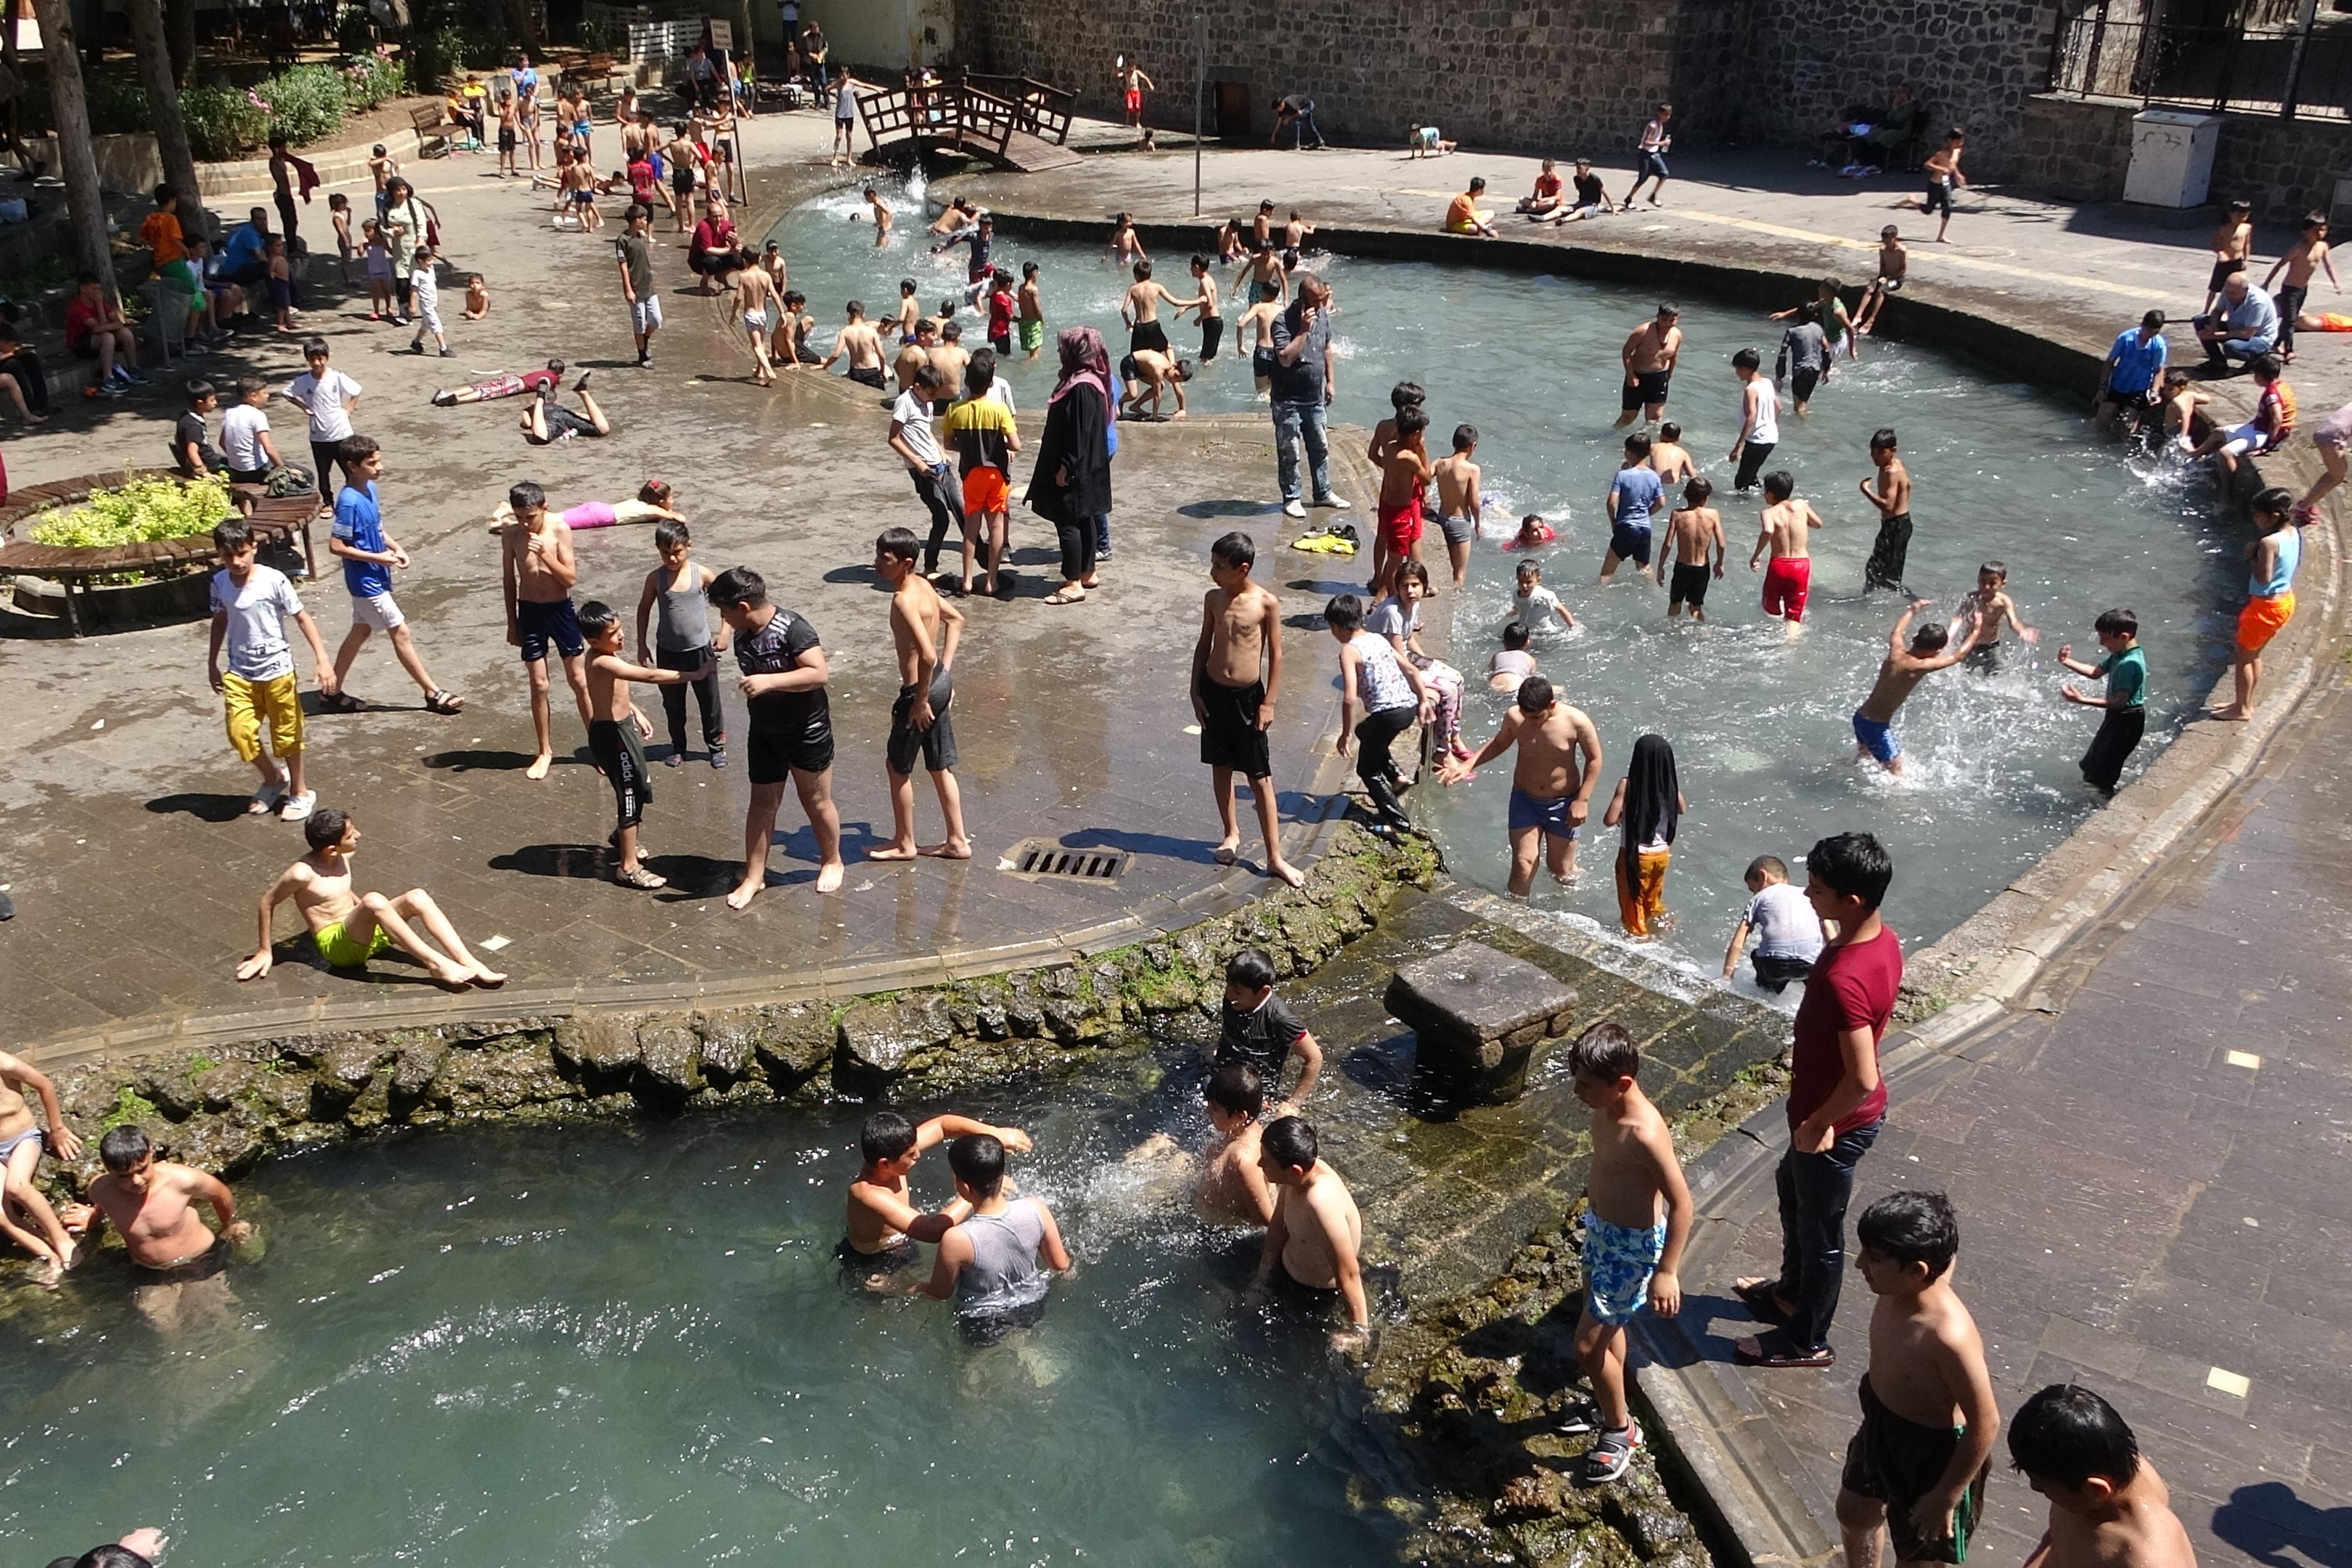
(444, 702)
(340, 702)
(1758, 1299)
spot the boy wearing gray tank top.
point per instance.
(682, 640)
(994, 1265)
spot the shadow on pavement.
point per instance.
(202, 807)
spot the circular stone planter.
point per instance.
(179, 592)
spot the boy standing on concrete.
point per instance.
(789, 724)
(251, 604)
(1916, 1469)
(1637, 1219)
(2270, 595)
(924, 630)
(1836, 1103)
(537, 571)
(1236, 682)
(369, 556)
(2124, 669)
(327, 396)
(634, 250)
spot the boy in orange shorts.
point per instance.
(985, 439)
(2272, 557)
(1404, 472)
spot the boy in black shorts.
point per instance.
(789, 725)
(1694, 538)
(615, 730)
(538, 570)
(546, 421)
(1236, 674)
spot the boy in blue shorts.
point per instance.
(1634, 498)
(1910, 659)
(1637, 1218)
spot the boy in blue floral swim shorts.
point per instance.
(1632, 1250)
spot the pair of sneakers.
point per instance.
(1294, 507)
(278, 800)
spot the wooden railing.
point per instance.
(1044, 109)
(972, 117)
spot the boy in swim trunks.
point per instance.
(862, 343)
(1458, 500)
(1315, 1237)
(1943, 171)
(1916, 1468)
(1633, 499)
(2234, 246)
(1786, 530)
(1694, 533)
(1668, 458)
(616, 731)
(2108, 1508)
(26, 1216)
(351, 927)
(1893, 266)
(1030, 305)
(884, 1223)
(1236, 680)
(1509, 668)
(537, 571)
(1906, 664)
(154, 1203)
(1991, 609)
(1204, 303)
(1649, 356)
(2308, 255)
(2272, 556)
(924, 631)
(1404, 473)
(1637, 1219)
(1140, 308)
(1551, 781)
(755, 294)
(1892, 496)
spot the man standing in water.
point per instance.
(1649, 356)
(1317, 1237)
(1551, 782)
(154, 1203)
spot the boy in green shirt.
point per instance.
(2124, 669)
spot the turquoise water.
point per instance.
(630, 1344)
(1761, 729)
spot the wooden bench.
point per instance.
(274, 520)
(431, 141)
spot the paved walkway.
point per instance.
(2150, 1172)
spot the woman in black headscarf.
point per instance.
(1071, 485)
(1649, 803)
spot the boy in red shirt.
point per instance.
(95, 329)
(1836, 1101)
(1000, 312)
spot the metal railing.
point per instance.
(2289, 72)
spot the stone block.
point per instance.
(669, 1060)
(600, 1044)
(879, 1037)
(1478, 1015)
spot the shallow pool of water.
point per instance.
(631, 1344)
(1761, 729)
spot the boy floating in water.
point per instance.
(351, 928)
(993, 1264)
(1906, 664)
(1637, 1218)
(1315, 1237)
(884, 1223)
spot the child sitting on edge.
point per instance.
(1916, 1468)
(1894, 264)
(614, 728)
(2273, 422)
(1637, 1219)
(884, 1223)
(1789, 933)
(1512, 663)
(993, 1264)
(2107, 1504)
(349, 928)
(2124, 669)
(1649, 803)
(1256, 1030)
(1536, 605)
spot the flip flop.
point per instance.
(1758, 1299)
(642, 879)
(1774, 1352)
(1064, 596)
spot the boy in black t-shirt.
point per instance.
(789, 725)
(1256, 1030)
(191, 450)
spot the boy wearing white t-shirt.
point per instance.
(245, 433)
(425, 288)
(251, 604)
(1789, 933)
(328, 396)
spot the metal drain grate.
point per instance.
(1042, 857)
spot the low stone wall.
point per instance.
(2079, 150)
(224, 1108)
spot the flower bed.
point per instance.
(76, 534)
(307, 102)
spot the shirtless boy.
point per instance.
(1694, 533)
(2234, 246)
(351, 927)
(1315, 1236)
(1669, 459)
(1551, 781)
(755, 292)
(1893, 266)
(1888, 490)
(1990, 607)
(1786, 525)
(1263, 273)
(154, 1203)
(1649, 356)
(924, 630)
(1144, 375)
(536, 572)
(1030, 305)
(1125, 245)
(884, 1223)
(1140, 308)
(1404, 474)
(1260, 319)
(1236, 679)
(1232, 1189)
(1637, 1219)
(882, 218)
(1943, 171)
(1459, 503)
(910, 310)
(1899, 673)
(1916, 1469)
(2309, 254)
(26, 1216)
(863, 344)
(914, 353)
(2108, 1508)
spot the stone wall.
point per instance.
(1546, 76)
(2080, 149)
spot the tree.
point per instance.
(163, 112)
(180, 28)
(521, 24)
(77, 159)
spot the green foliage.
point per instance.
(224, 123)
(201, 1064)
(118, 106)
(370, 77)
(354, 30)
(137, 510)
(599, 35)
(130, 1107)
(305, 102)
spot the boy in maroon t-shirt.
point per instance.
(1836, 1101)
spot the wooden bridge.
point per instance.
(1010, 122)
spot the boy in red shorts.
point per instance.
(985, 439)
(1786, 525)
(1406, 471)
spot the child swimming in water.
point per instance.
(1512, 663)
(1534, 533)
(1989, 608)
